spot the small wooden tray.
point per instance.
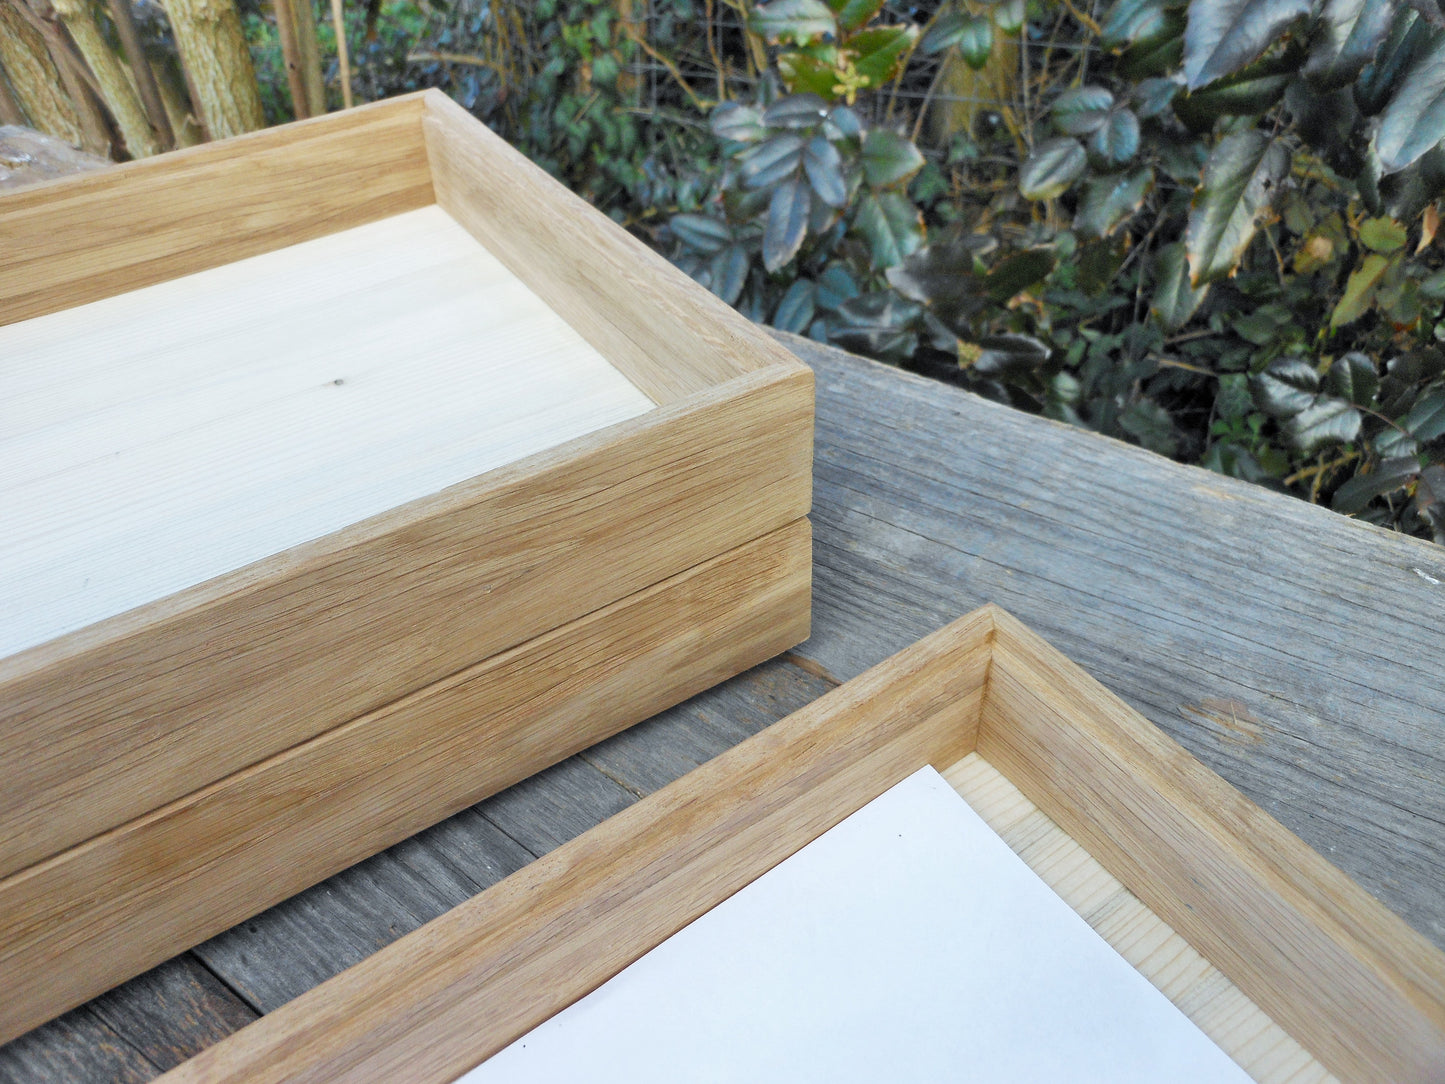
(244, 712)
(1286, 963)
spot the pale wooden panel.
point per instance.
(1200, 991)
(103, 724)
(1356, 986)
(97, 914)
(154, 440)
(92, 236)
(446, 996)
(668, 335)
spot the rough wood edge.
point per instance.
(79, 239)
(448, 995)
(99, 913)
(499, 554)
(667, 334)
(1235, 1024)
(1358, 988)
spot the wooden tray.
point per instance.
(1286, 963)
(218, 713)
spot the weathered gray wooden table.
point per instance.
(1297, 653)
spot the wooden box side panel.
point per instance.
(84, 238)
(1348, 979)
(457, 990)
(101, 726)
(667, 334)
(101, 912)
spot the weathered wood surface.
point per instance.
(1294, 652)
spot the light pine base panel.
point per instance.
(96, 914)
(1347, 981)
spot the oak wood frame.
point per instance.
(1360, 990)
(108, 731)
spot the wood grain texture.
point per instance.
(1238, 1026)
(592, 273)
(1352, 982)
(342, 377)
(439, 1000)
(1293, 651)
(142, 708)
(98, 913)
(83, 238)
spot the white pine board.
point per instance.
(909, 943)
(158, 439)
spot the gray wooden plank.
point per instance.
(1296, 652)
(652, 754)
(555, 805)
(300, 943)
(173, 1012)
(77, 1048)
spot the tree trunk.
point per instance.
(145, 79)
(9, 108)
(291, 57)
(310, 49)
(116, 89)
(176, 97)
(218, 65)
(35, 79)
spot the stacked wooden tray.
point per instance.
(1280, 959)
(354, 470)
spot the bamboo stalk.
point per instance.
(145, 79)
(343, 56)
(116, 89)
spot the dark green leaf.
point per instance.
(891, 225)
(1081, 110)
(765, 164)
(945, 32)
(1409, 36)
(1116, 141)
(1426, 419)
(804, 73)
(878, 324)
(1353, 377)
(1325, 421)
(1098, 262)
(700, 233)
(889, 159)
(1347, 38)
(1390, 475)
(1153, 96)
(1009, 356)
(975, 40)
(1150, 424)
(842, 124)
(1414, 121)
(796, 111)
(730, 273)
(1132, 22)
(1018, 272)
(854, 13)
(1430, 499)
(1241, 181)
(879, 53)
(1009, 15)
(1246, 94)
(1054, 165)
(1285, 387)
(743, 123)
(1433, 286)
(1157, 56)
(824, 167)
(1175, 301)
(835, 286)
(798, 21)
(787, 223)
(942, 277)
(1359, 290)
(1111, 200)
(1224, 35)
(795, 310)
